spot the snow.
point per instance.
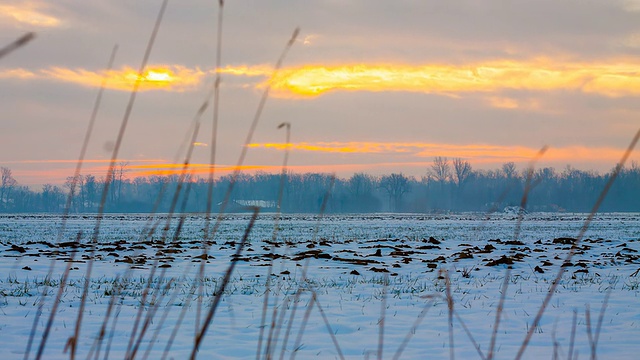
(404, 281)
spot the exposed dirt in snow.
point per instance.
(354, 264)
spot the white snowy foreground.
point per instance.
(378, 279)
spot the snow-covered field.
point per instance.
(379, 280)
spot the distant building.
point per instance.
(244, 205)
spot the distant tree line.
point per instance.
(448, 185)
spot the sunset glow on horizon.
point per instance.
(413, 159)
(362, 89)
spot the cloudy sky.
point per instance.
(373, 86)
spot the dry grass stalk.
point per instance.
(556, 281)
(303, 325)
(97, 343)
(18, 43)
(450, 308)
(572, 340)
(516, 235)
(303, 277)
(72, 342)
(156, 301)
(415, 325)
(54, 308)
(67, 208)
(594, 334)
(136, 338)
(212, 155)
(220, 291)
(383, 308)
(173, 204)
(469, 335)
(327, 324)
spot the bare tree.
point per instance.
(115, 179)
(509, 169)
(76, 191)
(395, 185)
(360, 188)
(6, 184)
(545, 174)
(440, 169)
(120, 171)
(90, 189)
(360, 184)
(462, 171)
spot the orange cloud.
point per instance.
(474, 152)
(245, 70)
(28, 14)
(503, 103)
(615, 78)
(88, 161)
(157, 77)
(612, 80)
(196, 169)
(37, 172)
(16, 74)
(410, 148)
(509, 103)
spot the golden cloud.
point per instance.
(245, 70)
(503, 102)
(157, 77)
(510, 103)
(17, 74)
(196, 169)
(28, 14)
(92, 161)
(37, 172)
(615, 78)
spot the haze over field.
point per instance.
(369, 86)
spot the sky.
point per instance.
(368, 86)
